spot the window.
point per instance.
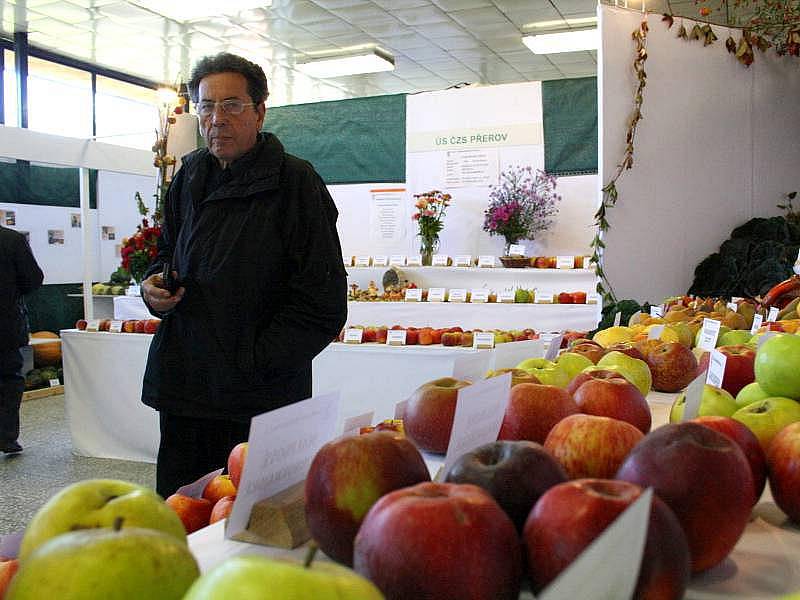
(127, 114)
(59, 99)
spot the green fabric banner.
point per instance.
(50, 309)
(359, 140)
(569, 108)
(24, 183)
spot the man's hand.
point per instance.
(159, 297)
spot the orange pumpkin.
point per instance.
(49, 354)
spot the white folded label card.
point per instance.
(413, 295)
(463, 260)
(440, 260)
(516, 250)
(654, 333)
(93, 325)
(398, 259)
(593, 298)
(133, 290)
(693, 396)
(483, 339)
(506, 296)
(773, 314)
(115, 327)
(554, 347)
(352, 425)
(362, 261)
(353, 335)
(479, 413)
(486, 261)
(733, 306)
(457, 295)
(565, 262)
(436, 295)
(396, 337)
(479, 295)
(609, 566)
(736, 298)
(709, 334)
(716, 368)
(543, 297)
(54, 382)
(414, 260)
(400, 409)
(757, 321)
(347, 261)
(381, 260)
(282, 444)
(617, 318)
(656, 311)
(472, 365)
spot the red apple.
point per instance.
(578, 297)
(381, 333)
(347, 476)
(425, 336)
(704, 477)
(565, 298)
(626, 348)
(451, 338)
(616, 398)
(436, 335)
(440, 540)
(783, 463)
(193, 512)
(747, 441)
(138, 327)
(236, 461)
(591, 446)
(570, 336)
(370, 334)
(222, 509)
(569, 516)
(151, 325)
(429, 413)
(8, 568)
(574, 341)
(129, 326)
(81, 324)
(516, 474)
(467, 339)
(412, 336)
(739, 367)
(583, 377)
(105, 325)
(218, 488)
(593, 352)
(672, 365)
(533, 410)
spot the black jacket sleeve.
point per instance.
(316, 308)
(29, 275)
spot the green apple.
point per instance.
(249, 578)
(734, 337)
(125, 564)
(767, 417)
(750, 393)
(714, 402)
(97, 503)
(546, 371)
(633, 369)
(777, 366)
(535, 363)
(573, 363)
(723, 329)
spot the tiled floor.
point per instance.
(47, 464)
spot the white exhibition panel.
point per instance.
(718, 145)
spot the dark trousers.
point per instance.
(12, 384)
(191, 447)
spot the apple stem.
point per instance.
(117, 525)
(312, 552)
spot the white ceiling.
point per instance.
(436, 43)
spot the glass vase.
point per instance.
(509, 243)
(428, 246)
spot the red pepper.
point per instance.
(781, 294)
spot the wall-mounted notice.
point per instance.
(466, 168)
(387, 224)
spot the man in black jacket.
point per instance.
(19, 275)
(250, 233)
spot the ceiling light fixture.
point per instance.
(200, 9)
(563, 41)
(350, 61)
(560, 23)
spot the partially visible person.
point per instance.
(19, 275)
(250, 233)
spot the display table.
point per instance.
(763, 564)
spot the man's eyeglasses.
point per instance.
(232, 106)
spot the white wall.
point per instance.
(719, 144)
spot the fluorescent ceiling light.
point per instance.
(199, 9)
(564, 41)
(560, 23)
(369, 60)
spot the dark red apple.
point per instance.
(81, 324)
(429, 414)
(739, 367)
(672, 365)
(440, 540)
(783, 463)
(704, 477)
(626, 348)
(747, 441)
(347, 476)
(532, 411)
(582, 378)
(593, 351)
(236, 460)
(516, 474)
(570, 336)
(590, 446)
(616, 398)
(569, 516)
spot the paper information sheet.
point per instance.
(470, 168)
(387, 224)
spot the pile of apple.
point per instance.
(129, 326)
(446, 336)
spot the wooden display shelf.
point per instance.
(43, 392)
